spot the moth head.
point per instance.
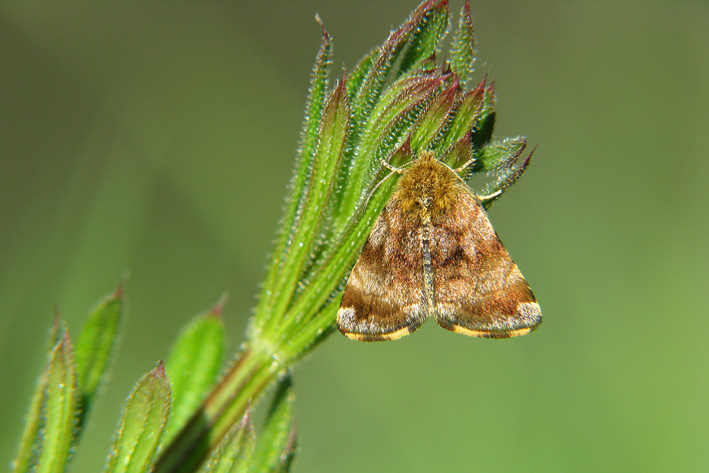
(424, 201)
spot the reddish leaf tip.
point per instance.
(325, 34)
(480, 88)
(246, 418)
(56, 318)
(64, 345)
(342, 83)
(291, 442)
(400, 155)
(218, 307)
(491, 88)
(466, 8)
(159, 371)
(529, 157)
(118, 293)
(451, 91)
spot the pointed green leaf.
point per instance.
(377, 76)
(315, 103)
(463, 46)
(194, 364)
(467, 112)
(276, 445)
(435, 118)
(460, 153)
(142, 424)
(57, 328)
(337, 143)
(425, 40)
(499, 154)
(360, 72)
(482, 134)
(96, 344)
(506, 174)
(301, 178)
(484, 121)
(335, 122)
(234, 453)
(60, 409)
(27, 453)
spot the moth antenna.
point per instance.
(394, 171)
(465, 164)
(455, 171)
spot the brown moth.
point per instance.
(433, 251)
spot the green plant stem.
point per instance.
(245, 381)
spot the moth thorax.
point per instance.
(427, 189)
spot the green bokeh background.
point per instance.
(159, 139)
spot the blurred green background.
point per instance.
(159, 139)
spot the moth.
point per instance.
(432, 251)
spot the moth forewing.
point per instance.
(383, 296)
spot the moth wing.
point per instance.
(383, 299)
(480, 292)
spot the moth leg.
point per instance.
(391, 168)
(490, 197)
(374, 189)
